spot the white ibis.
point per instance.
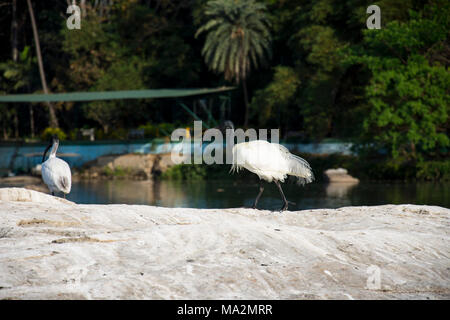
(271, 162)
(56, 172)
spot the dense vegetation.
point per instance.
(310, 68)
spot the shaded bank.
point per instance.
(139, 160)
(21, 157)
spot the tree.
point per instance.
(100, 62)
(53, 119)
(237, 39)
(122, 75)
(271, 105)
(15, 76)
(408, 92)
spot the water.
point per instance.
(229, 194)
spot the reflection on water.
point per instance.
(340, 189)
(229, 193)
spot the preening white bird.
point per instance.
(271, 162)
(56, 172)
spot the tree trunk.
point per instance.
(14, 26)
(53, 120)
(244, 86)
(30, 106)
(5, 134)
(31, 112)
(16, 123)
(15, 57)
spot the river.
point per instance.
(228, 193)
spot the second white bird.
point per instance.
(56, 172)
(271, 162)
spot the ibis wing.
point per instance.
(56, 175)
(64, 176)
(297, 166)
(64, 182)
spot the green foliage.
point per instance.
(271, 105)
(91, 51)
(6, 119)
(100, 63)
(316, 45)
(100, 134)
(203, 172)
(408, 92)
(321, 45)
(158, 130)
(433, 170)
(17, 75)
(116, 173)
(237, 37)
(410, 108)
(118, 134)
(309, 37)
(73, 134)
(50, 132)
(107, 171)
(121, 75)
(185, 172)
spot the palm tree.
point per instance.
(237, 39)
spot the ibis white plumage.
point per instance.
(272, 162)
(56, 172)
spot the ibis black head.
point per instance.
(226, 125)
(54, 142)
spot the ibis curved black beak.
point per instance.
(225, 125)
(54, 140)
(45, 152)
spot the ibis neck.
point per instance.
(53, 151)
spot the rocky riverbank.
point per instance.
(126, 166)
(51, 248)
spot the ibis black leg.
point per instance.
(261, 190)
(286, 203)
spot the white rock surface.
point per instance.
(55, 249)
(22, 194)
